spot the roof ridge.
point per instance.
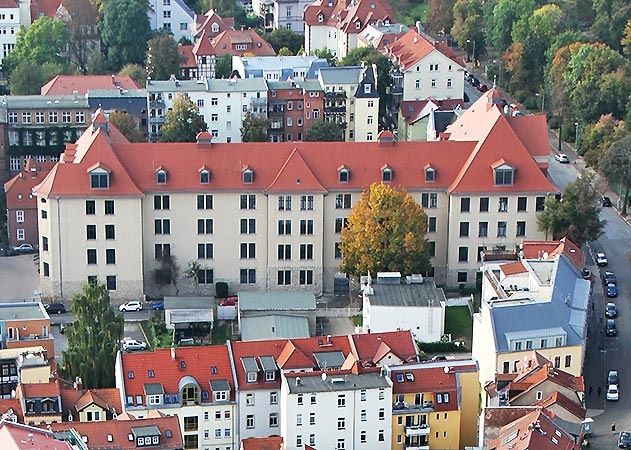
(285, 166)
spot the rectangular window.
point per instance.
(483, 229)
(540, 204)
(249, 421)
(464, 229)
(341, 400)
(110, 232)
(273, 420)
(568, 361)
(431, 248)
(44, 243)
(161, 202)
(205, 201)
(503, 177)
(557, 362)
(306, 226)
(110, 256)
(205, 251)
(91, 254)
(161, 250)
(522, 203)
(90, 232)
(341, 423)
(284, 252)
(340, 223)
(90, 207)
(46, 269)
(284, 202)
(484, 204)
(205, 226)
(431, 224)
(248, 201)
(110, 282)
(463, 254)
(306, 202)
(248, 226)
(247, 276)
(306, 251)
(162, 226)
(247, 250)
(503, 204)
(501, 229)
(521, 228)
(462, 277)
(338, 250)
(109, 207)
(306, 277)
(205, 276)
(465, 204)
(343, 201)
(284, 227)
(429, 200)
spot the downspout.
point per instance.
(235, 412)
(61, 276)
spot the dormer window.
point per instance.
(252, 377)
(270, 375)
(161, 176)
(344, 174)
(99, 179)
(204, 176)
(386, 174)
(215, 28)
(248, 176)
(358, 24)
(367, 89)
(503, 173)
(320, 18)
(430, 174)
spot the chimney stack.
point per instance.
(173, 353)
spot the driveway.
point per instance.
(18, 277)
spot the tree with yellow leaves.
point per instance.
(385, 232)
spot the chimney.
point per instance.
(418, 27)
(173, 353)
(78, 383)
(113, 80)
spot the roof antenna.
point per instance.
(494, 79)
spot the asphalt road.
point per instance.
(18, 278)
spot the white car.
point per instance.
(130, 345)
(562, 158)
(601, 259)
(131, 306)
(612, 393)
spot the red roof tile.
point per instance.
(201, 363)
(47, 8)
(39, 390)
(206, 21)
(513, 268)
(81, 84)
(14, 405)
(532, 130)
(226, 43)
(262, 443)
(535, 430)
(295, 175)
(8, 4)
(19, 188)
(536, 250)
(401, 344)
(15, 436)
(255, 349)
(413, 47)
(345, 14)
(564, 402)
(187, 58)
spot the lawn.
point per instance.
(458, 323)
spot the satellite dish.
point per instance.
(545, 255)
(446, 369)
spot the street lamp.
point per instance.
(500, 69)
(576, 137)
(543, 99)
(469, 41)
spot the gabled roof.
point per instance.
(532, 130)
(14, 435)
(295, 175)
(39, 390)
(19, 188)
(187, 58)
(547, 372)
(556, 398)
(263, 443)
(344, 15)
(535, 430)
(81, 84)
(552, 250)
(74, 400)
(226, 41)
(13, 405)
(293, 358)
(412, 47)
(368, 347)
(206, 21)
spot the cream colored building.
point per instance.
(270, 215)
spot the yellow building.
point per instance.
(435, 405)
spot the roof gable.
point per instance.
(295, 175)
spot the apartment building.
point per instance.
(211, 23)
(289, 14)
(293, 107)
(434, 405)
(222, 103)
(25, 324)
(173, 16)
(279, 68)
(12, 435)
(40, 402)
(194, 383)
(38, 126)
(380, 35)
(335, 24)
(14, 14)
(22, 365)
(351, 100)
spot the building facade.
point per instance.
(279, 68)
(14, 15)
(173, 16)
(289, 14)
(293, 107)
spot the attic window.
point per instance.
(400, 378)
(130, 375)
(367, 88)
(182, 364)
(205, 395)
(215, 28)
(161, 176)
(409, 376)
(213, 370)
(130, 437)
(504, 176)
(358, 24)
(110, 438)
(320, 18)
(151, 373)
(345, 175)
(386, 174)
(248, 176)
(252, 377)
(99, 179)
(430, 174)
(204, 176)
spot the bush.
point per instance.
(441, 347)
(221, 289)
(554, 122)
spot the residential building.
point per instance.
(11, 411)
(279, 68)
(293, 108)
(335, 24)
(188, 63)
(435, 405)
(243, 42)
(451, 179)
(15, 15)
(89, 405)
(212, 24)
(291, 313)
(41, 402)
(21, 204)
(82, 84)
(194, 383)
(379, 35)
(173, 16)
(425, 120)
(429, 69)
(125, 433)
(265, 10)
(289, 14)
(22, 365)
(25, 324)
(38, 126)
(418, 306)
(13, 435)
(351, 100)
(131, 101)
(531, 305)
(338, 409)
(222, 103)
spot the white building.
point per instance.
(417, 305)
(290, 14)
(278, 68)
(341, 410)
(223, 103)
(14, 14)
(171, 15)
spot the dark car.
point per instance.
(586, 274)
(55, 308)
(611, 311)
(609, 277)
(483, 88)
(610, 328)
(612, 290)
(624, 439)
(158, 306)
(475, 82)
(606, 201)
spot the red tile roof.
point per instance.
(513, 268)
(74, 400)
(532, 130)
(536, 250)
(47, 8)
(262, 443)
(19, 188)
(413, 47)
(15, 436)
(430, 379)
(535, 430)
(345, 14)
(81, 84)
(39, 390)
(201, 363)
(113, 434)
(256, 349)
(400, 343)
(541, 370)
(226, 43)
(206, 21)
(14, 405)
(187, 58)
(8, 4)
(564, 402)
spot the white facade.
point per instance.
(434, 76)
(323, 37)
(11, 20)
(259, 412)
(340, 412)
(277, 68)
(290, 14)
(172, 15)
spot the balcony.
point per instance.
(417, 430)
(407, 408)
(335, 95)
(157, 103)
(334, 109)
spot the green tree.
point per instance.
(183, 122)
(324, 131)
(285, 52)
(504, 15)
(576, 214)
(93, 338)
(223, 68)
(616, 165)
(625, 42)
(192, 274)
(255, 128)
(598, 137)
(27, 77)
(125, 31)
(440, 15)
(282, 37)
(163, 58)
(610, 20)
(98, 65)
(327, 54)
(43, 42)
(136, 72)
(83, 16)
(469, 26)
(385, 232)
(126, 124)
(168, 272)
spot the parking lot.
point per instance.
(18, 278)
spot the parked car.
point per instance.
(624, 439)
(130, 345)
(612, 393)
(24, 248)
(609, 277)
(562, 158)
(586, 274)
(612, 290)
(611, 311)
(134, 305)
(475, 82)
(55, 308)
(158, 305)
(612, 378)
(610, 328)
(606, 201)
(483, 88)
(601, 259)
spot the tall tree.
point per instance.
(168, 272)
(255, 128)
(81, 22)
(504, 15)
(43, 42)
(282, 37)
(125, 31)
(223, 68)
(576, 214)
(625, 43)
(327, 54)
(136, 72)
(616, 165)
(183, 122)
(468, 26)
(126, 124)
(93, 338)
(163, 58)
(385, 232)
(610, 20)
(440, 15)
(27, 77)
(598, 137)
(324, 131)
